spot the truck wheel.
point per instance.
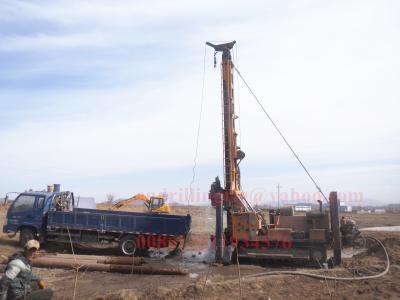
(25, 235)
(127, 245)
(173, 248)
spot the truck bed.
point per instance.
(119, 222)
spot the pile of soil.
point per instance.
(273, 287)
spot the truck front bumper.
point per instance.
(5, 229)
(9, 229)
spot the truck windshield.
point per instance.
(41, 202)
(24, 202)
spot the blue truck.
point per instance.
(53, 217)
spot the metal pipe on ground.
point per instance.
(114, 268)
(107, 260)
(116, 260)
(38, 261)
(93, 257)
(51, 261)
(141, 270)
(121, 261)
(92, 266)
(71, 256)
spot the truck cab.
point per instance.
(28, 213)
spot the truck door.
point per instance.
(27, 210)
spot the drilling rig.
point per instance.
(277, 234)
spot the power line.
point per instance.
(196, 153)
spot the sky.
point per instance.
(104, 97)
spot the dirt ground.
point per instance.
(206, 281)
(374, 220)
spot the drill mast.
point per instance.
(233, 197)
(229, 198)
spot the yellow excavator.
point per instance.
(153, 204)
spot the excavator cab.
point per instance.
(157, 204)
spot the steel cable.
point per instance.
(281, 134)
(196, 153)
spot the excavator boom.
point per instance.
(153, 204)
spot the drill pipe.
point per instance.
(91, 266)
(95, 257)
(114, 260)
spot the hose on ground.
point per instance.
(383, 273)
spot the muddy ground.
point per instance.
(222, 282)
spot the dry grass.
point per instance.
(373, 220)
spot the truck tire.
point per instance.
(127, 245)
(25, 235)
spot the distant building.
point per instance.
(379, 210)
(302, 207)
(344, 208)
(363, 211)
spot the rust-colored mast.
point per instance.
(230, 167)
(230, 197)
(233, 199)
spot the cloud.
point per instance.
(98, 90)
